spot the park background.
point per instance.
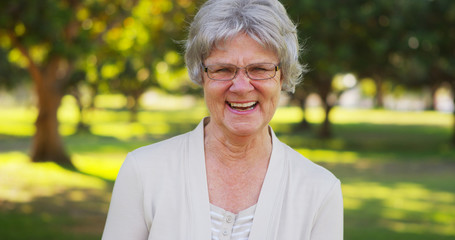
(84, 82)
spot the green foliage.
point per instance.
(96, 35)
(368, 87)
(10, 75)
(409, 42)
(402, 40)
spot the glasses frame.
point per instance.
(206, 67)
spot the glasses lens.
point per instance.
(261, 71)
(256, 71)
(221, 72)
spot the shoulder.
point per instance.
(157, 162)
(165, 147)
(170, 148)
(160, 155)
(167, 157)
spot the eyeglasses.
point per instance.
(255, 71)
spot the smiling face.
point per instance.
(241, 106)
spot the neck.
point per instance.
(234, 151)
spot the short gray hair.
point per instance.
(266, 21)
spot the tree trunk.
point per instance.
(133, 106)
(453, 125)
(81, 126)
(379, 97)
(434, 101)
(453, 114)
(299, 98)
(49, 84)
(326, 130)
(47, 142)
(304, 124)
(329, 100)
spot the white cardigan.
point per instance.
(161, 193)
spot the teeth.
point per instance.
(242, 105)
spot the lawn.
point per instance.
(397, 168)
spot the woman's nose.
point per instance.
(241, 82)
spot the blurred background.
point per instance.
(82, 82)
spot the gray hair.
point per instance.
(266, 21)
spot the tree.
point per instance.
(437, 46)
(144, 52)
(426, 56)
(325, 27)
(408, 42)
(49, 37)
(10, 76)
(110, 45)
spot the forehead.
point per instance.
(241, 49)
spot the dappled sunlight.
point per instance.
(67, 129)
(17, 129)
(405, 207)
(111, 120)
(18, 114)
(22, 181)
(156, 100)
(382, 116)
(314, 114)
(372, 116)
(295, 114)
(106, 116)
(328, 156)
(101, 165)
(115, 124)
(113, 101)
(189, 116)
(287, 115)
(17, 121)
(126, 131)
(68, 111)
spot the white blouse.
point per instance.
(230, 226)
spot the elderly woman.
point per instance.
(230, 178)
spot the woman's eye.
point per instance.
(258, 69)
(222, 70)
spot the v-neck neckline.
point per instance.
(197, 188)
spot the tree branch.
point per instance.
(32, 66)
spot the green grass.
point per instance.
(397, 168)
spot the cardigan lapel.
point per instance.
(267, 208)
(271, 197)
(197, 190)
